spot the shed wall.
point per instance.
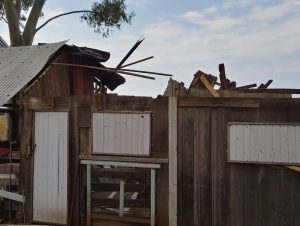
(212, 191)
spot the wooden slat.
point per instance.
(116, 187)
(97, 216)
(5, 181)
(124, 159)
(218, 102)
(280, 91)
(16, 155)
(40, 103)
(121, 172)
(202, 168)
(114, 203)
(185, 147)
(5, 168)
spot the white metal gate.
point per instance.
(50, 167)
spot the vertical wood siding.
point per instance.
(121, 133)
(50, 167)
(264, 143)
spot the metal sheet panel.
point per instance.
(50, 167)
(121, 133)
(19, 65)
(264, 143)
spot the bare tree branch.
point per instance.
(60, 15)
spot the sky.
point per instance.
(257, 40)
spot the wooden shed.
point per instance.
(91, 158)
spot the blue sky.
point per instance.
(257, 40)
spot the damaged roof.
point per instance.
(19, 65)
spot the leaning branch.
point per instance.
(60, 15)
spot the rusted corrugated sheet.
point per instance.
(19, 65)
(54, 82)
(50, 188)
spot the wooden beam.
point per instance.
(97, 216)
(218, 102)
(124, 159)
(136, 62)
(111, 70)
(213, 92)
(121, 198)
(114, 203)
(223, 79)
(120, 173)
(88, 194)
(247, 86)
(5, 168)
(129, 187)
(172, 161)
(275, 90)
(12, 196)
(264, 86)
(6, 181)
(124, 164)
(295, 168)
(152, 203)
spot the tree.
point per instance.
(103, 17)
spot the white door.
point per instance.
(50, 167)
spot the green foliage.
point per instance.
(107, 15)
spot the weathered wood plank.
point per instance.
(121, 172)
(218, 102)
(185, 166)
(202, 168)
(13, 168)
(97, 216)
(219, 166)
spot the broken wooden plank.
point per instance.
(224, 81)
(212, 91)
(247, 86)
(266, 85)
(218, 102)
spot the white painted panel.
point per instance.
(50, 167)
(264, 143)
(121, 133)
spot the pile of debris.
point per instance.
(203, 85)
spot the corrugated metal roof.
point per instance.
(3, 43)
(19, 65)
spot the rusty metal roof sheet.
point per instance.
(19, 65)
